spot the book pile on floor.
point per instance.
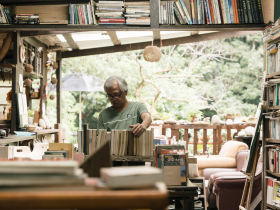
(5, 15)
(130, 177)
(273, 191)
(28, 19)
(137, 13)
(26, 173)
(122, 142)
(211, 12)
(82, 14)
(110, 12)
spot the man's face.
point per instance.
(117, 102)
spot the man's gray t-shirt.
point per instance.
(110, 119)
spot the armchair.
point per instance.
(225, 161)
(225, 188)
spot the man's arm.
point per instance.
(100, 124)
(138, 129)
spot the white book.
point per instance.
(112, 5)
(223, 6)
(270, 189)
(131, 177)
(92, 11)
(218, 12)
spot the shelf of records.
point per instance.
(123, 144)
(179, 12)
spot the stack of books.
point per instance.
(40, 173)
(82, 14)
(137, 13)
(273, 189)
(29, 19)
(110, 12)
(5, 15)
(211, 12)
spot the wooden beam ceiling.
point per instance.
(71, 41)
(165, 42)
(39, 33)
(114, 37)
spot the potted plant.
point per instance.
(194, 114)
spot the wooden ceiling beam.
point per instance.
(71, 41)
(165, 42)
(40, 33)
(114, 37)
(156, 35)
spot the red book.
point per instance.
(211, 11)
(111, 21)
(82, 15)
(235, 11)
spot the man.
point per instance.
(123, 114)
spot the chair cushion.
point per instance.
(230, 148)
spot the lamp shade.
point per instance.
(152, 54)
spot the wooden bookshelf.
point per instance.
(269, 76)
(273, 207)
(273, 174)
(132, 158)
(273, 107)
(271, 140)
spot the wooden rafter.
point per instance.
(71, 41)
(165, 42)
(114, 37)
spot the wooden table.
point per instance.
(117, 199)
(16, 138)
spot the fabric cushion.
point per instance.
(230, 148)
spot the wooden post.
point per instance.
(195, 139)
(57, 135)
(186, 137)
(59, 92)
(164, 131)
(154, 8)
(175, 132)
(16, 71)
(219, 137)
(214, 141)
(229, 133)
(204, 140)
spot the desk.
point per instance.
(118, 199)
(185, 193)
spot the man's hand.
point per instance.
(137, 129)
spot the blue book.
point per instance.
(185, 11)
(74, 13)
(209, 13)
(231, 11)
(86, 15)
(227, 11)
(70, 14)
(206, 12)
(198, 12)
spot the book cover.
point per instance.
(239, 11)
(199, 14)
(218, 12)
(245, 11)
(86, 14)
(195, 12)
(235, 14)
(260, 12)
(177, 4)
(222, 10)
(254, 7)
(177, 15)
(202, 11)
(171, 169)
(231, 11)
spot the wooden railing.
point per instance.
(217, 134)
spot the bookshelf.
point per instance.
(270, 125)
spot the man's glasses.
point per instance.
(114, 96)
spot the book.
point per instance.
(63, 146)
(249, 11)
(231, 11)
(227, 11)
(171, 169)
(130, 177)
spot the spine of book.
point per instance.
(227, 11)
(236, 11)
(173, 13)
(79, 15)
(86, 14)
(231, 11)
(193, 12)
(254, 7)
(214, 11)
(185, 11)
(202, 11)
(221, 11)
(245, 11)
(198, 12)
(93, 12)
(179, 18)
(260, 12)
(89, 14)
(9, 15)
(5, 15)
(207, 12)
(218, 11)
(211, 11)
(181, 11)
(249, 11)
(239, 11)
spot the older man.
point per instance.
(123, 114)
